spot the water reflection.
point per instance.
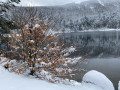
(95, 43)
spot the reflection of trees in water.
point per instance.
(94, 43)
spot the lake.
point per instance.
(93, 43)
(103, 50)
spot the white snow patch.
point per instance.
(32, 41)
(69, 50)
(37, 25)
(101, 2)
(72, 49)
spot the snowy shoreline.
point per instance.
(96, 30)
(92, 80)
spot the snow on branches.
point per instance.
(38, 53)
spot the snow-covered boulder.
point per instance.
(98, 79)
(119, 86)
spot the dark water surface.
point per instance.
(97, 44)
(94, 43)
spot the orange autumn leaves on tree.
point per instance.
(39, 51)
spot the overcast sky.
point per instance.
(48, 2)
(51, 2)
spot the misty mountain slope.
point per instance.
(78, 10)
(91, 14)
(96, 5)
(90, 7)
(109, 1)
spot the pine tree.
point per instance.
(4, 7)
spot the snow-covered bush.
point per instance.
(38, 53)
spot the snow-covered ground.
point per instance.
(93, 80)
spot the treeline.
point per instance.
(81, 17)
(111, 21)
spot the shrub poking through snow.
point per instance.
(38, 53)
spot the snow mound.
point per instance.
(98, 79)
(119, 86)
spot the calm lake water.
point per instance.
(105, 43)
(94, 43)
